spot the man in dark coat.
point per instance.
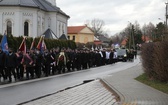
(2, 65)
(11, 64)
(29, 62)
(48, 59)
(19, 66)
(38, 63)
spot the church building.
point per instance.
(32, 18)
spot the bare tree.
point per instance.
(96, 25)
(148, 30)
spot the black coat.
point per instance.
(11, 60)
(2, 59)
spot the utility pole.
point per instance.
(130, 35)
(131, 38)
(166, 13)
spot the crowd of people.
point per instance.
(18, 66)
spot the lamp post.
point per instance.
(166, 13)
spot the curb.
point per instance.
(119, 96)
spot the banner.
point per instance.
(4, 43)
(41, 44)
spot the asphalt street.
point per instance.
(15, 93)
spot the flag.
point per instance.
(41, 44)
(4, 43)
(23, 45)
(32, 44)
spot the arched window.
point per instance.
(26, 28)
(63, 29)
(9, 27)
(49, 22)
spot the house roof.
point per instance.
(75, 29)
(50, 34)
(124, 42)
(41, 4)
(63, 37)
(103, 38)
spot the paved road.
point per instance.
(19, 92)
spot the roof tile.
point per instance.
(75, 29)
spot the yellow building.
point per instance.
(80, 34)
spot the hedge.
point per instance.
(155, 60)
(14, 42)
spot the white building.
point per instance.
(32, 18)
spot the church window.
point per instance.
(63, 28)
(60, 29)
(49, 22)
(9, 27)
(26, 28)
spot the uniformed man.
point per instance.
(10, 63)
(2, 65)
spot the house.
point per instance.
(80, 34)
(124, 42)
(32, 18)
(103, 40)
(146, 39)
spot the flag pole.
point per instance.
(22, 41)
(32, 43)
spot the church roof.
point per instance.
(63, 37)
(50, 34)
(41, 4)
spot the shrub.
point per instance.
(14, 42)
(155, 60)
(147, 59)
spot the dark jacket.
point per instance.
(11, 60)
(2, 59)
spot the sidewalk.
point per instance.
(92, 93)
(132, 92)
(103, 92)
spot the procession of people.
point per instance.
(35, 64)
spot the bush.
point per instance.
(14, 42)
(147, 59)
(155, 60)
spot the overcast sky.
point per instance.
(115, 13)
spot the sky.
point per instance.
(116, 14)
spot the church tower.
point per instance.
(53, 2)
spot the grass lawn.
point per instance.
(153, 83)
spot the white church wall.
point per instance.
(52, 16)
(38, 20)
(61, 24)
(1, 22)
(7, 14)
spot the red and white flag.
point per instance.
(41, 44)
